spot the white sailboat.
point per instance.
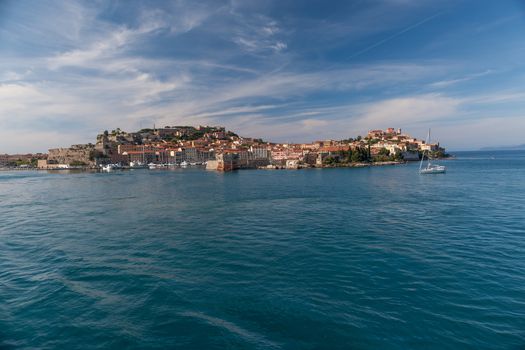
(430, 168)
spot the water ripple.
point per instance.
(336, 259)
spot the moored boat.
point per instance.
(137, 165)
(430, 168)
(433, 169)
(111, 167)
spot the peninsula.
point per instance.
(223, 150)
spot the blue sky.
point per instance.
(289, 71)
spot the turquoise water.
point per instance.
(372, 258)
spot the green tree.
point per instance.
(349, 156)
(360, 154)
(330, 160)
(384, 152)
(77, 163)
(23, 162)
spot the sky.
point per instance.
(286, 71)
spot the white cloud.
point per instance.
(247, 44)
(410, 110)
(278, 46)
(104, 48)
(257, 34)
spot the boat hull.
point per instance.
(435, 170)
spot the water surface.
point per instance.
(369, 258)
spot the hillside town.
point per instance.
(223, 150)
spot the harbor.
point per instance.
(218, 149)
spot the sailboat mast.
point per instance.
(428, 147)
(423, 155)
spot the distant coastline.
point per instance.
(504, 148)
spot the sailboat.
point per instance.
(430, 168)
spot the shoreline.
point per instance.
(270, 167)
(333, 166)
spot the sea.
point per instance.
(344, 258)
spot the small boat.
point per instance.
(433, 169)
(110, 167)
(152, 166)
(136, 165)
(430, 168)
(184, 164)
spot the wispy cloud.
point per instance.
(257, 34)
(448, 82)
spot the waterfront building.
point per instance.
(145, 157)
(429, 147)
(4, 159)
(392, 148)
(280, 154)
(135, 148)
(205, 154)
(176, 156)
(260, 152)
(190, 155)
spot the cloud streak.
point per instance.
(395, 35)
